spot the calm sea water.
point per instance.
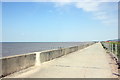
(15, 48)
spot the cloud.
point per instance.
(96, 7)
(61, 4)
(101, 15)
(103, 11)
(60, 0)
(88, 6)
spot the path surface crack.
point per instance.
(77, 66)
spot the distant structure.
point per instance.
(115, 40)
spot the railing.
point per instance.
(113, 47)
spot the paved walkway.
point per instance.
(91, 62)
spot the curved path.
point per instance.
(90, 62)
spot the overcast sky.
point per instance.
(59, 21)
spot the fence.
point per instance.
(112, 47)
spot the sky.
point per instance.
(59, 21)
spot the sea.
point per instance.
(16, 48)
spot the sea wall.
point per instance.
(19, 62)
(49, 55)
(16, 63)
(52, 54)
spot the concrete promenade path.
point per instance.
(90, 62)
